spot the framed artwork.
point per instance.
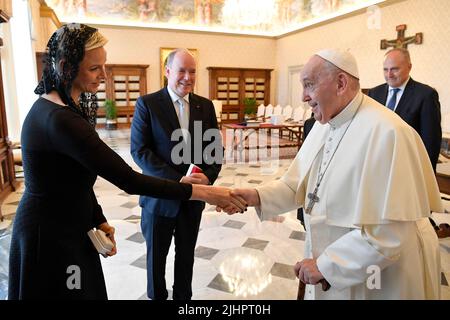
(163, 53)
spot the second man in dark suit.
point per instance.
(416, 103)
(155, 141)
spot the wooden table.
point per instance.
(241, 133)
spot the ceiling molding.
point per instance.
(338, 18)
(112, 26)
(323, 23)
(4, 17)
(308, 25)
(46, 12)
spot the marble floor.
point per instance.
(265, 251)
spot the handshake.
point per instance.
(225, 199)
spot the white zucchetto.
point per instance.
(342, 59)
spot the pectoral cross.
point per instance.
(313, 198)
(401, 41)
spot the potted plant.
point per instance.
(249, 108)
(111, 114)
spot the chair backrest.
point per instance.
(218, 108)
(287, 112)
(261, 110)
(298, 114)
(277, 110)
(307, 114)
(269, 111)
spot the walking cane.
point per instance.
(302, 287)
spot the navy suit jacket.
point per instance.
(419, 107)
(153, 122)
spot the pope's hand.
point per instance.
(307, 271)
(219, 196)
(250, 196)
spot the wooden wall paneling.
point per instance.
(233, 85)
(124, 84)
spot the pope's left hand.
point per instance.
(307, 271)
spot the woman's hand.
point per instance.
(109, 230)
(250, 196)
(219, 196)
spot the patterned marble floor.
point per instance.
(270, 247)
(221, 237)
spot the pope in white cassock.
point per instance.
(367, 186)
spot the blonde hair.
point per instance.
(97, 40)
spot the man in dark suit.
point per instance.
(167, 135)
(415, 102)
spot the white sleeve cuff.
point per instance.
(346, 261)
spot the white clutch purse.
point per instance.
(101, 242)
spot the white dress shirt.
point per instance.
(399, 93)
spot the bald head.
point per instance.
(180, 72)
(396, 67)
(327, 88)
(179, 51)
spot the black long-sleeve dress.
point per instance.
(62, 156)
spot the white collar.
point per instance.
(175, 97)
(402, 87)
(347, 113)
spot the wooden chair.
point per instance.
(287, 115)
(260, 112)
(307, 114)
(277, 110)
(17, 157)
(268, 113)
(297, 116)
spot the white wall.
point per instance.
(431, 62)
(42, 27)
(19, 64)
(9, 83)
(24, 58)
(141, 46)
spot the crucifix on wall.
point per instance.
(401, 41)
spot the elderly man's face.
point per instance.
(396, 69)
(181, 74)
(319, 89)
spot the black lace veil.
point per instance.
(68, 43)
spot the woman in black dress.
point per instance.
(62, 156)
